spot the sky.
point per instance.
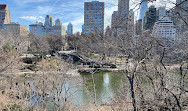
(28, 12)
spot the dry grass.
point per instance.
(108, 107)
(5, 100)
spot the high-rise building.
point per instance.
(48, 27)
(182, 6)
(58, 28)
(8, 27)
(5, 17)
(138, 28)
(114, 23)
(131, 22)
(164, 28)
(123, 8)
(48, 21)
(123, 13)
(120, 18)
(114, 20)
(15, 29)
(58, 22)
(48, 24)
(149, 19)
(143, 8)
(181, 12)
(108, 31)
(37, 29)
(70, 29)
(161, 12)
(93, 17)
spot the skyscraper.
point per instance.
(143, 8)
(139, 27)
(48, 21)
(70, 29)
(149, 19)
(123, 8)
(182, 6)
(114, 21)
(182, 15)
(131, 22)
(164, 28)
(161, 12)
(58, 22)
(93, 17)
(123, 13)
(5, 17)
(58, 28)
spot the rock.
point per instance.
(73, 72)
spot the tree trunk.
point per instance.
(131, 81)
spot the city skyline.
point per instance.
(65, 10)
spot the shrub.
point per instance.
(7, 47)
(30, 67)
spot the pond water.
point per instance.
(107, 85)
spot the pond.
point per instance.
(107, 85)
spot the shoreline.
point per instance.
(88, 70)
(74, 72)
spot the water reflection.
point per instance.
(106, 84)
(106, 79)
(107, 93)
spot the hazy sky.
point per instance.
(27, 12)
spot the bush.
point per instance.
(30, 67)
(7, 48)
(14, 107)
(113, 66)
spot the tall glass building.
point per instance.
(149, 18)
(93, 17)
(70, 29)
(143, 8)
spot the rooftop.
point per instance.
(13, 23)
(94, 2)
(2, 6)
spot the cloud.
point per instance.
(44, 9)
(167, 3)
(30, 1)
(32, 18)
(75, 4)
(29, 18)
